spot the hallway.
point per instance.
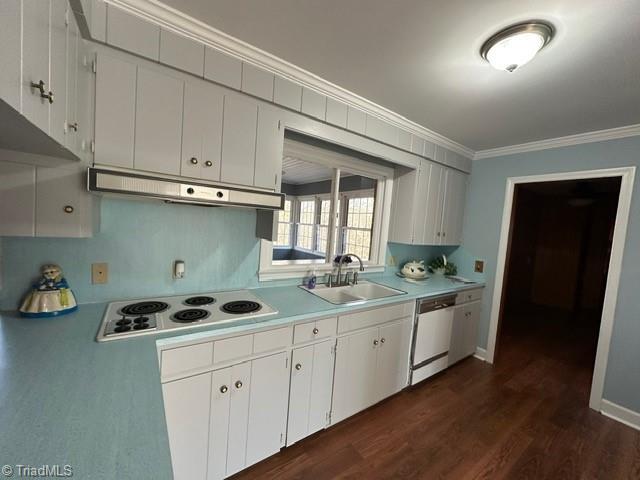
(525, 417)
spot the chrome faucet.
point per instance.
(355, 274)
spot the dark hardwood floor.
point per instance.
(527, 417)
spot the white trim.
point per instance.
(620, 414)
(481, 354)
(167, 17)
(587, 137)
(627, 175)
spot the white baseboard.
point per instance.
(481, 354)
(620, 414)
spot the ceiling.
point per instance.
(296, 171)
(420, 59)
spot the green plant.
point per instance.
(438, 263)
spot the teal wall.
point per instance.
(483, 218)
(140, 240)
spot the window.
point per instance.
(284, 225)
(306, 225)
(334, 205)
(356, 234)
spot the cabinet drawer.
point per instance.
(231, 348)
(469, 296)
(271, 340)
(183, 359)
(376, 316)
(306, 332)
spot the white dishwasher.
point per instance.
(431, 336)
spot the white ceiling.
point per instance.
(296, 171)
(420, 59)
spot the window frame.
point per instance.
(383, 175)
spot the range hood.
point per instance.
(134, 184)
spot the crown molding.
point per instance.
(167, 17)
(588, 137)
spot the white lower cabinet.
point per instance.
(464, 331)
(310, 391)
(370, 365)
(226, 419)
(235, 417)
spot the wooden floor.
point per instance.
(526, 417)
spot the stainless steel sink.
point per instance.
(353, 294)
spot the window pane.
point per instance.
(357, 228)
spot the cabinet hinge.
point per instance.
(281, 437)
(66, 18)
(92, 146)
(94, 66)
(334, 348)
(286, 362)
(328, 418)
(279, 124)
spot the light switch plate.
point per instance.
(479, 266)
(392, 261)
(99, 273)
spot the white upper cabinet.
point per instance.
(158, 126)
(336, 113)
(239, 139)
(257, 81)
(115, 113)
(201, 131)
(133, 34)
(73, 74)
(35, 62)
(269, 145)
(287, 93)
(428, 205)
(453, 208)
(58, 81)
(10, 58)
(181, 52)
(313, 103)
(222, 68)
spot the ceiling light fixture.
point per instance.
(511, 48)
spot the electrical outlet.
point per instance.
(99, 273)
(479, 266)
(392, 260)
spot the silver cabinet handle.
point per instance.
(73, 126)
(238, 384)
(208, 163)
(438, 234)
(298, 366)
(68, 209)
(382, 340)
(193, 160)
(444, 233)
(224, 389)
(316, 331)
(375, 342)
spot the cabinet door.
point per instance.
(35, 61)
(10, 54)
(458, 335)
(158, 122)
(393, 358)
(267, 407)
(432, 213)
(453, 209)
(64, 207)
(310, 393)
(73, 55)
(238, 417)
(221, 388)
(115, 112)
(58, 71)
(472, 311)
(269, 145)
(355, 374)
(186, 407)
(201, 131)
(239, 140)
(17, 199)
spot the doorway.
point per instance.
(558, 268)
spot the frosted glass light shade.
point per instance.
(515, 46)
